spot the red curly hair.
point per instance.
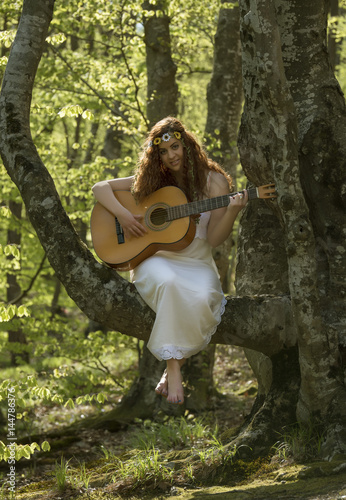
(150, 176)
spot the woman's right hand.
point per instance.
(131, 224)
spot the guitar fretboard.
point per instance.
(200, 206)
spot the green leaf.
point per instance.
(45, 446)
(101, 398)
(23, 311)
(69, 403)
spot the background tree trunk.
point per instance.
(16, 336)
(224, 99)
(162, 89)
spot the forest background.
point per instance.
(101, 83)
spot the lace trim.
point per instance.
(176, 352)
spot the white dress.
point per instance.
(184, 290)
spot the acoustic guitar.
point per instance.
(168, 218)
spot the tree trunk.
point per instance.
(281, 136)
(162, 90)
(334, 45)
(16, 336)
(322, 152)
(224, 99)
(224, 94)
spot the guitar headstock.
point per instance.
(266, 192)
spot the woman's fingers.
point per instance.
(135, 228)
(239, 199)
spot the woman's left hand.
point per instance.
(238, 200)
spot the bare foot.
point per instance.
(162, 386)
(175, 382)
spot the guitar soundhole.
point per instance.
(156, 218)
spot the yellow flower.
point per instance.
(157, 140)
(177, 135)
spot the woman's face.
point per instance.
(172, 155)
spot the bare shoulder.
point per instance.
(218, 184)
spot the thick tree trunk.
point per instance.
(271, 141)
(262, 269)
(322, 151)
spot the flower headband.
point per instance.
(166, 137)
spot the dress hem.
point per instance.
(175, 352)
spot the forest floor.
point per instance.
(180, 457)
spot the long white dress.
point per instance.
(184, 290)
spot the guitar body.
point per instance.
(161, 235)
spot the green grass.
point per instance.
(172, 433)
(299, 442)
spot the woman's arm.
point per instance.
(222, 219)
(103, 192)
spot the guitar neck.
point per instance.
(200, 206)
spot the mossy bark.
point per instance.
(283, 137)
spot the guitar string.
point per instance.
(196, 207)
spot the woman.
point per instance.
(182, 287)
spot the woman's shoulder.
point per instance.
(218, 183)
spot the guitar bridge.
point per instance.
(120, 232)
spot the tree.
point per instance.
(162, 89)
(263, 323)
(16, 335)
(283, 133)
(225, 98)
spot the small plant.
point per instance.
(84, 476)
(108, 454)
(217, 453)
(5, 494)
(172, 433)
(189, 473)
(144, 466)
(61, 473)
(299, 442)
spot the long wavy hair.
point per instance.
(150, 174)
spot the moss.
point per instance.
(240, 480)
(229, 434)
(232, 472)
(35, 490)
